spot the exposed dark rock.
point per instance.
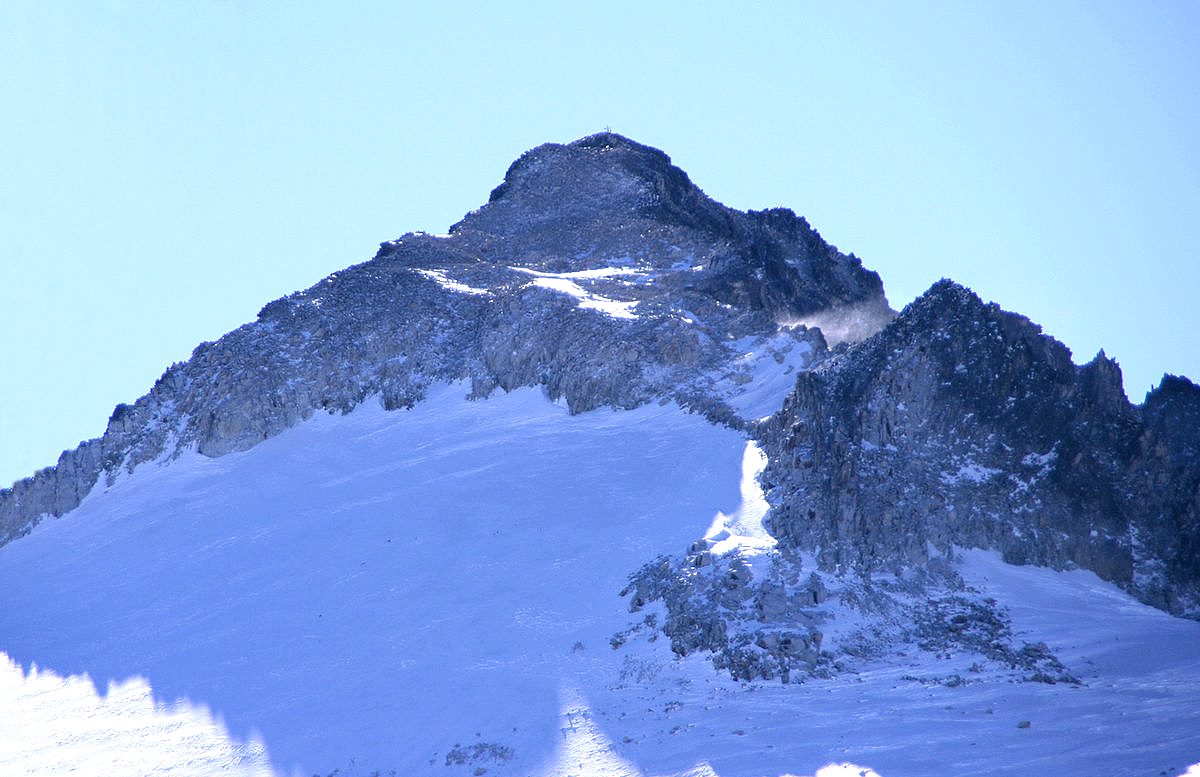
(952, 623)
(608, 198)
(963, 424)
(755, 629)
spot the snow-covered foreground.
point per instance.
(433, 591)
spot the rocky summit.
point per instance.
(599, 272)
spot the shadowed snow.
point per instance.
(434, 591)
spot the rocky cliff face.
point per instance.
(600, 272)
(962, 424)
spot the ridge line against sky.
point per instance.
(171, 168)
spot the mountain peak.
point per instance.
(600, 176)
(603, 153)
(1175, 386)
(608, 140)
(946, 297)
(605, 200)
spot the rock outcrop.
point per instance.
(962, 424)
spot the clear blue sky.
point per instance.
(169, 167)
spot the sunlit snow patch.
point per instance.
(54, 725)
(585, 750)
(448, 283)
(563, 283)
(969, 472)
(846, 770)
(744, 530)
(595, 274)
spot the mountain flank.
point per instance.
(599, 272)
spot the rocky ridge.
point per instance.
(961, 424)
(597, 270)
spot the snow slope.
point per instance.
(374, 587)
(433, 591)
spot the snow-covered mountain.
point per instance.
(613, 479)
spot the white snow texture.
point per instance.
(432, 592)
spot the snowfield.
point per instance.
(434, 591)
